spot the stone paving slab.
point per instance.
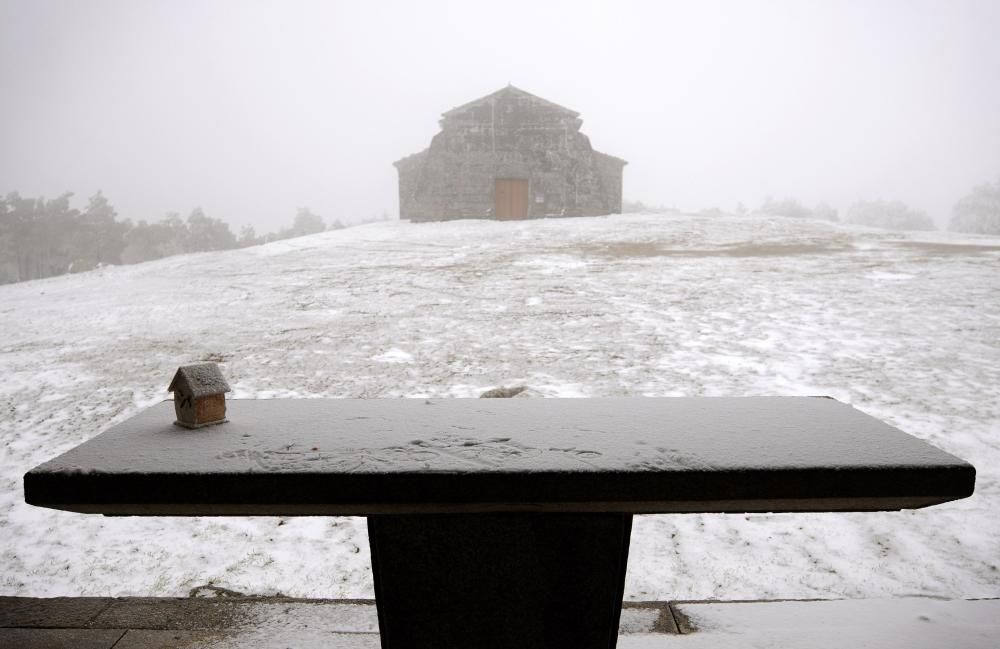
(65, 612)
(163, 613)
(172, 639)
(356, 616)
(191, 614)
(258, 638)
(60, 638)
(278, 623)
(647, 617)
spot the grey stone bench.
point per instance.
(502, 523)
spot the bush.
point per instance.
(788, 207)
(307, 223)
(891, 215)
(638, 207)
(825, 212)
(979, 211)
(792, 208)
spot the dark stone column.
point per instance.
(499, 581)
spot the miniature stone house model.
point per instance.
(199, 395)
(509, 155)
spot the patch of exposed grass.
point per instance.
(946, 249)
(625, 249)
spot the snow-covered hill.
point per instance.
(905, 327)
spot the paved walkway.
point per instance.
(270, 623)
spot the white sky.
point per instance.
(252, 109)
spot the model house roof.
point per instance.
(200, 379)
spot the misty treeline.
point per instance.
(45, 237)
(891, 215)
(978, 212)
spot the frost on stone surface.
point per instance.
(905, 327)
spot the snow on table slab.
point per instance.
(635, 305)
(468, 436)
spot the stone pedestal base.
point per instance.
(499, 581)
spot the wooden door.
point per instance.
(510, 198)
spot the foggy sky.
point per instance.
(250, 110)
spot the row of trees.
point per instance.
(892, 215)
(794, 209)
(41, 238)
(978, 212)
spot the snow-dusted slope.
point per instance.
(904, 326)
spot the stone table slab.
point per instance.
(398, 456)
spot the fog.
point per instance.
(250, 110)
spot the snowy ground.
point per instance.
(905, 326)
